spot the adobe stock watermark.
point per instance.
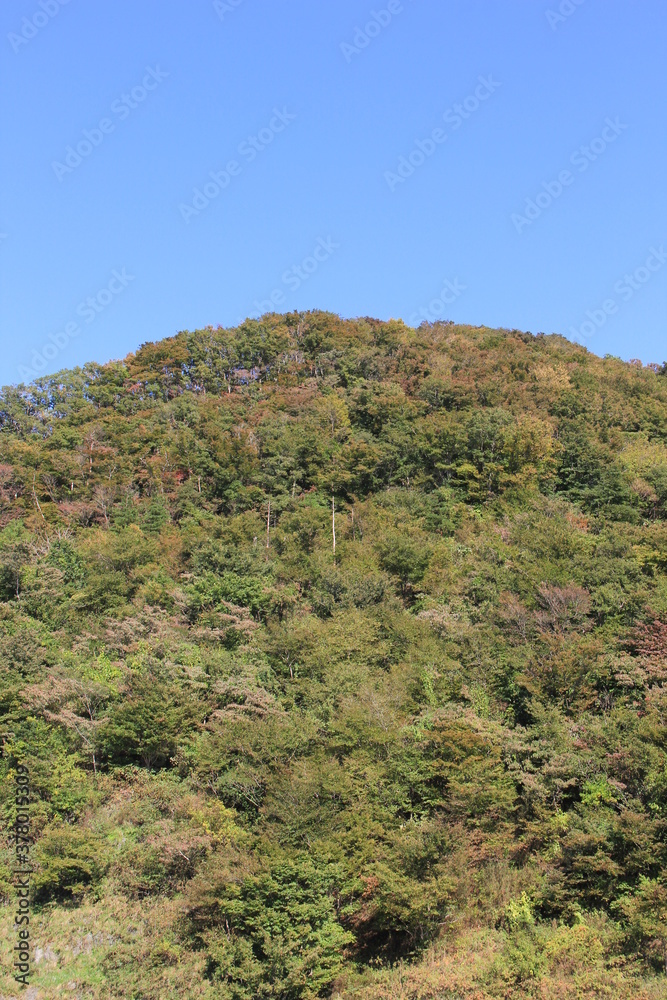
(22, 870)
(437, 307)
(378, 21)
(249, 149)
(580, 158)
(88, 310)
(566, 8)
(626, 288)
(121, 108)
(454, 117)
(222, 7)
(294, 277)
(31, 26)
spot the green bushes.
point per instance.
(270, 933)
(68, 861)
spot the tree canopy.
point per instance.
(428, 762)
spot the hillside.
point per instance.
(422, 757)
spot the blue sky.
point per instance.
(167, 166)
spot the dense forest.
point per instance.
(336, 652)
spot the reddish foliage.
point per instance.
(649, 642)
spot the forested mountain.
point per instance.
(336, 652)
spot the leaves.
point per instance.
(444, 747)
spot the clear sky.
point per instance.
(499, 163)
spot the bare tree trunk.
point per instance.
(333, 526)
(268, 524)
(39, 508)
